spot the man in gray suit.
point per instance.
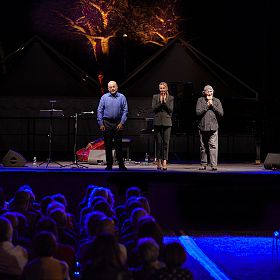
(208, 109)
(162, 106)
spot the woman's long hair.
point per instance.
(166, 85)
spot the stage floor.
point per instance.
(66, 166)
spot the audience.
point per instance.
(99, 241)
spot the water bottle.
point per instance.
(77, 271)
(34, 161)
(146, 158)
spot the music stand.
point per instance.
(51, 113)
(75, 161)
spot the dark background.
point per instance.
(240, 36)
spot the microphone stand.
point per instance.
(51, 113)
(75, 163)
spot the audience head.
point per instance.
(136, 214)
(147, 250)
(12, 217)
(145, 203)
(132, 191)
(105, 249)
(44, 203)
(91, 222)
(131, 204)
(60, 198)
(87, 193)
(6, 230)
(96, 199)
(59, 217)
(46, 224)
(53, 206)
(44, 244)
(98, 191)
(20, 200)
(148, 227)
(106, 225)
(174, 254)
(28, 189)
(104, 207)
(104, 192)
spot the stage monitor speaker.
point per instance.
(13, 159)
(98, 157)
(272, 161)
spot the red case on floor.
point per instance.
(83, 154)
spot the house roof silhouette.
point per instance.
(180, 63)
(37, 69)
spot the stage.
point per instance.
(239, 196)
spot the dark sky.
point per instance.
(235, 34)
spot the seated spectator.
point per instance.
(65, 235)
(45, 266)
(90, 225)
(129, 227)
(44, 203)
(132, 191)
(33, 205)
(101, 191)
(148, 252)
(147, 226)
(105, 207)
(130, 205)
(84, 202)
(89, 208)
(12, 258)
(53, 205)
(63, 252)
(174, 256)
(71, 220)
(21, 203)
(120, 215)
(22, 229)
(145, 203)
(99, 226)
(105, 260)
(12, 217)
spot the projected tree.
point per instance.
(156, 25)
(98, 21)
(101, 20)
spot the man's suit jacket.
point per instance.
(163, 111)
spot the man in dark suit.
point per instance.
(162, 106)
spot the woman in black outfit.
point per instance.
(162, 105)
